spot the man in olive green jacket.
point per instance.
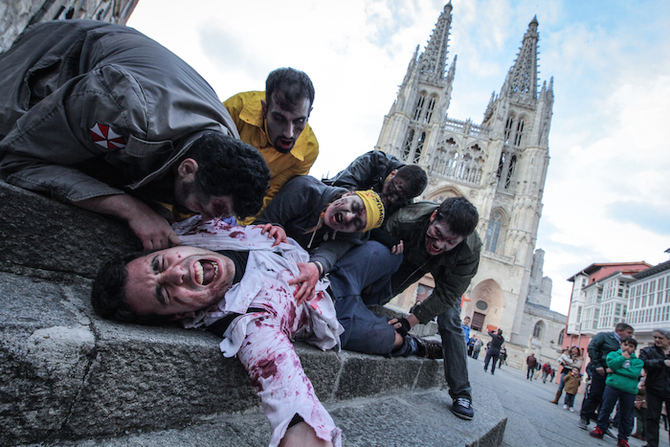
(432, 238)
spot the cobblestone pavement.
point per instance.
(532, 419)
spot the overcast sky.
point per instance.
(607, 193)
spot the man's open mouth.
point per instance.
(205, 272)
(338, 218)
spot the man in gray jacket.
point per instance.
(103, 117)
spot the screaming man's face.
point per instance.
(177, 280)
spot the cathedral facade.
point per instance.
(500, 165)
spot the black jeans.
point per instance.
(594, 397)
(654, 404)
(491, 354)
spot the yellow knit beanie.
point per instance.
(374, 209)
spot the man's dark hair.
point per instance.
(415, 177)
(108, 295)
(499, 331)
(459, 214)
(620, 327)
(629, 341)
(291, 86)
(228, 166)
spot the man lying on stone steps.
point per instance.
(242, 291)
(100, 116)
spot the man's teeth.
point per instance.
(198, 273)
(203, 274)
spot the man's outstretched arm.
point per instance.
(151, 229)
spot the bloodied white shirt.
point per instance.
(262, 336)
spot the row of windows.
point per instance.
(649, 315)
(650, 293)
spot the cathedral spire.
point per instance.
(433, 61)
(521, 81)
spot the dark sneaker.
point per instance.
(429, 348)
(462, 407)
(583, 423)
(622, 443)
(597, 433)
(610, 433)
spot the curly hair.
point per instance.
(460, 214)
(291, 86)
(228, 166)
(415, 177)
(108, 296)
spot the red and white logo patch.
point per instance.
(104, 136)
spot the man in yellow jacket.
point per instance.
(275, 122)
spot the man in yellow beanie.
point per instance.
(331, 223)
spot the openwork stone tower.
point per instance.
(500, 165)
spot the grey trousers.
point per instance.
(455, 352)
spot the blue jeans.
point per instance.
(626, 400)
(370, 266)
(367, 266)
(569, 400)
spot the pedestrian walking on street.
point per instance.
(493, 352)
(640, 410)
(546, 370)
(657, 383)
(570, 358)
(572, 382)
(502, 359)
(476, 348)
(623, 374)
(531, 363)
(600, 346)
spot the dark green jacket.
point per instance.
(452, 270)
(601, 345)
(625, 372)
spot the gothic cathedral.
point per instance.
(500, 165)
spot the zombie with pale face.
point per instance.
(237, 283)
(438, 239)
(396, 182)
(274, 121)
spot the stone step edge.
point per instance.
(404, 419)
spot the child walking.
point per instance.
(623, 373)
(570, 386)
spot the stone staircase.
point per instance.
(70, 378)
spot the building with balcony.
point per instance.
(599, 300)
(648, 303)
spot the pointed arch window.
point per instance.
(561, 337)
(508, 128)
(510, 171)
(493, 232)
(537, 330)
(429, 111)
(407, 146)
(419, 147)
(419, 107)
(519, 133)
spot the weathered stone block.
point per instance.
(40, 233)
